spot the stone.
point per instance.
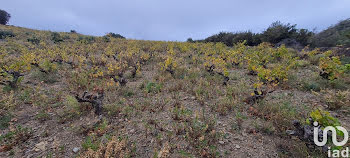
(41, 146)
(238, 138)
(237, 146)
(76, 149)
(221, 142)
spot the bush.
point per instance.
(86, 39)
(224, 37)
(251, 39)
(106, 39)
(115, 35)
(34, 40)
(56, 37)
(338, 34)
(331, 67)
(152, 87)
(303, 36)
(278, 31)
(274, 34)
(229, 38)
(190, 40)
(72, 109)
(4, 17)
(336, 99)
(4, 34)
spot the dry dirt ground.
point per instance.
(148, 122)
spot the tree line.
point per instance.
(280, 33)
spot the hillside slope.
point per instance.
(70, 95)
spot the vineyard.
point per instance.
(71, 95)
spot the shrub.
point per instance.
(152, 87)
(5, 121)
(347, 68)
(202, 136)
(331, 67)
(274, 34)
(303, 36)
(90, 144)
(190, 40)
(114, 108)
(224, 37)
(336, 100)
(86, 39)
(311, 85)
(4, 17)
(4, 34)
(325, 119)
(251, 39)
(338, 34)
(106, 39)
(34, 40)
(115, 147)
(56, 37)
(115, 35)
(73, 106)
(229, 38)
(11, 79)
(278, 31)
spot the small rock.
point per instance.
(238, 138)
(237, 146)
(41, 146)
(193, 97)
(132, 130)
(76, 149)
(221, 142)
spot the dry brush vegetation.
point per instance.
(112, 97)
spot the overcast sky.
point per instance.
(172, 19)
